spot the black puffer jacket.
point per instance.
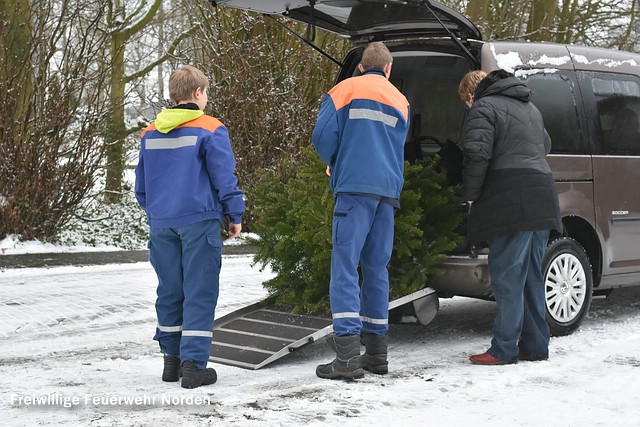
(505, 171)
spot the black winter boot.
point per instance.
(193, 377)
(172, 370)
(374, 359)
(347, 365)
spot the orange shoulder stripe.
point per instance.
(375, 88)
(204, 122)
(149, 128)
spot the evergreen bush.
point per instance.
(294, 211)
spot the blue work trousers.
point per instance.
(515, 266)
(362, 234)
(187, 262)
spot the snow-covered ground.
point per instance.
(76, 349)
(12, 245)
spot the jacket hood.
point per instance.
(500, 82)
(171, 118)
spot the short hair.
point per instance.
(184, 81)
(376, 56)
(469, 83)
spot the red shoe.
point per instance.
(487, 359)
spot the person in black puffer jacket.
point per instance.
(513, 206)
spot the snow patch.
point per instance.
(557, 61)
(581, 59)
(525, 73)
(510, 61)
(11, 245)
(507, 61)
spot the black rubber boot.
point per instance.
(193, 377)
(374, 359)
(347, 365)
(172, 370)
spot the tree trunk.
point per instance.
(477, 10)
(541, 20)
(565, 22)
(116, 127)
(15, 62)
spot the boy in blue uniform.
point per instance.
(360, 134)
(186, 184)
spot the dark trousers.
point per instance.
(515, 266)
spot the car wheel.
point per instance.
(568, 285)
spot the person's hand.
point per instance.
(234, 230)
(328, 170)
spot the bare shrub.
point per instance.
(50, 116)
(266, 87)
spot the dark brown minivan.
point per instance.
(590, 101)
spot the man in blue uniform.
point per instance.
(360, 134)
(186, 184)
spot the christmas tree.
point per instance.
(294, 215)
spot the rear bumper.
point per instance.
(463, 276)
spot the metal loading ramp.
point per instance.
(259, 334)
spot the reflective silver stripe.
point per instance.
(345, 315)
(171, 143)
(170, 328)
(366, 113)
(374, 321)
(207, 334)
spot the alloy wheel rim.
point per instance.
(565, 285)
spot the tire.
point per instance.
(568, 285)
